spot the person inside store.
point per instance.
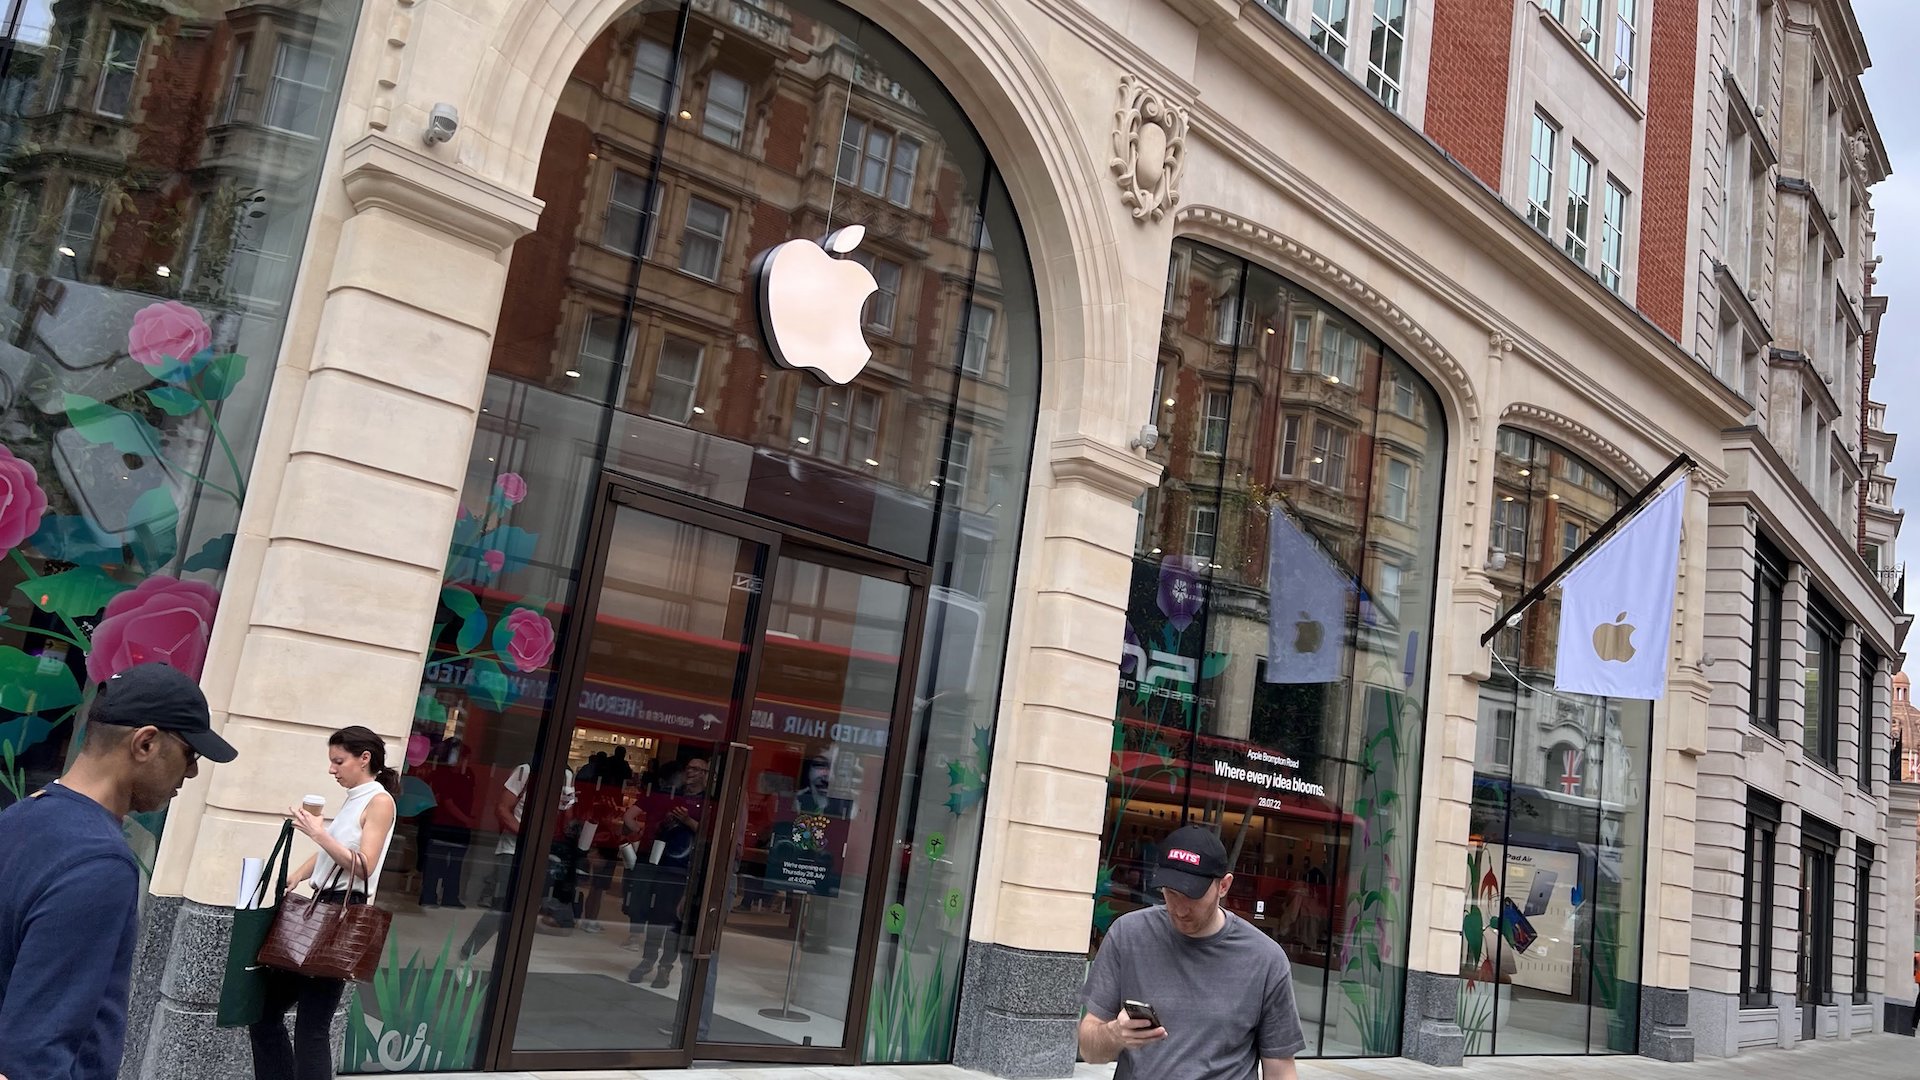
(1173, 958)
(446, 827)
(346, 869)
(69, 885)
(657, 897)
(509, 808)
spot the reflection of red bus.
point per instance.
(1282, 829)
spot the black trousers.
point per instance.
(309, 1054)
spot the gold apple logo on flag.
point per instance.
(1614, 641)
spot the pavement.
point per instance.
(1864, 1057)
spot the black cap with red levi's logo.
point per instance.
(158, 695)
(1191, 860)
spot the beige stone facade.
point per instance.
(1287, 163)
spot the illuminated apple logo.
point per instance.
(1614, 640)
(810, 305)
(1307, 634)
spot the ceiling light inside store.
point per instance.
(1506, 498)
(873, 463)
(1555, 496)
(685, 115)
(803, 440)
(933, 483)
(1335, 379)
(1526, 472)
(1319, 461)
(163, 271)
(572, 374)
(698, 411)
(1168, 403)
(1269, 331)
(1156, 551)
(67, 251)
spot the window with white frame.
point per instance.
(1329, 463)
(676, 380)
(1386, 51)
(1213, 428)
(627, 213)
(79, 228)
(1624, 14)
(725, 118)
(1399, 489)
(1290, 446)
(1404, 400)
(883, 305)
(650, 86)
(1569, 538)
(1299, 343)
(837, 423)
(704, 240)
(1226, 316)
(1159, 388)
(1203, 528)
(979, 343)
(73, 46)
(1503, 726)
(1545, 148)
(1589, 29)
(598, 357)
(1613, 236)
(236, 80)
(1386, 591)
(1339, 354)
(1328, 30)
(1579, 204)
(1510, 527)
(879, 159)
(117, 71)
(297, 96)
(959, 467)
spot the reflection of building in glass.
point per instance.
(1299, 458)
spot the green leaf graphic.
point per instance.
(107, 426)
(173, 401)
(76, 593)
(27, 687)
(490, 683)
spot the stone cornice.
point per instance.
(1085, 460)
(385, 174)
(1392, 323)
(1577, 436)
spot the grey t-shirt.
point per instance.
(1226, 1000)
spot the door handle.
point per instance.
(713, 898)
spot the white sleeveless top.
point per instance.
(346, 829)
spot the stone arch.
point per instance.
(981, 58)
(1577, 437)
(1383, 317)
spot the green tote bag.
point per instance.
(243, 994)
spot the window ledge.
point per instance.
(1737, 94)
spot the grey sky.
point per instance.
(1893, 85)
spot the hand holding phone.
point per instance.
(1140, 1011)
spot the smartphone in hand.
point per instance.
(1140, 1010)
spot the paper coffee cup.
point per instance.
(659, 850)
(629, 855)
(314, 804)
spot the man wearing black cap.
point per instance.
(69, 887)
(1222, 990)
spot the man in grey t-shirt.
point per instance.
(1223, 991)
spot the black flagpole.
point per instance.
(1535, 594)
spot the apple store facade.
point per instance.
(701, 590)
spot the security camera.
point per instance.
(1148, 438)
(442, 122)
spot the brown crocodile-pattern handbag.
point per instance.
(327, 939)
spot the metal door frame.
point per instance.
(612, 493)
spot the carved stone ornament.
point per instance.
(1149, 149)
(1857, 148)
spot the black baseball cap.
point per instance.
(157, 695)
(1191, 860)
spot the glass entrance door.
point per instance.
(722, 777)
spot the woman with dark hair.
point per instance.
(342, 870)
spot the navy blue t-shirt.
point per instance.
(69, 914)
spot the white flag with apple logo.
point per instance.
(1616, 607)
(1307, 610)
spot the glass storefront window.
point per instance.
(1276, 651)
(1551, 932)
(690, 580)
(150, 217)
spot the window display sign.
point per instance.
(1539, 918)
